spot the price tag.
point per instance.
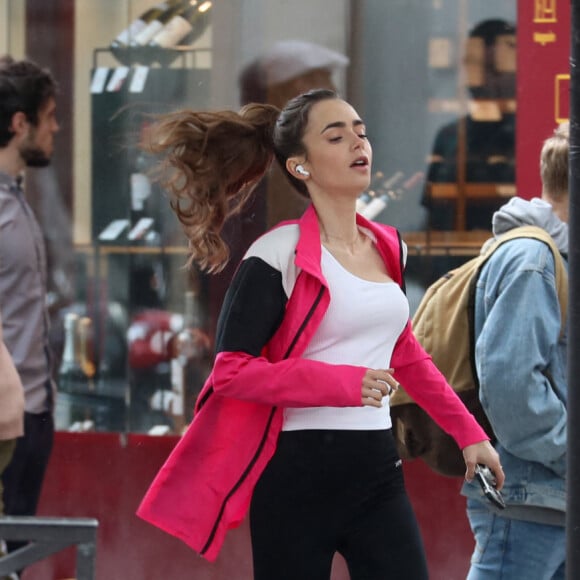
(99, 79)
(139, 79)
(117, 79)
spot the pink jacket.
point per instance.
(205, 486)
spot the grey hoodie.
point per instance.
(534, 212)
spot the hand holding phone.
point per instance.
(487, 481)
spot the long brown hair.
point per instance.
(213, 161)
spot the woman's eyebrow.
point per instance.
(341, 125)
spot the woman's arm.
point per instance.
(427, 386)
(253, 309)
(430, 390)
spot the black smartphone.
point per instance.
(486, 479)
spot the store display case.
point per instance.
(128, 327)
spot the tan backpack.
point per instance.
(443, 324)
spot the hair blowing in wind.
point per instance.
(211, 163)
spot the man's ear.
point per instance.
(19, 124)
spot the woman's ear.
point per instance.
(296, 168)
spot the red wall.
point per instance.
(543, 89)
(105, 475)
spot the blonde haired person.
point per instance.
(520, 357)
(293, 424)
(554, 171)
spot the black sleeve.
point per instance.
(253, 308)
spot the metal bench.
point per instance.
(46, 536)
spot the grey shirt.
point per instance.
(23, 295)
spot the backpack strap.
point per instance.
(537, 233)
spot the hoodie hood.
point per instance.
(534, 212)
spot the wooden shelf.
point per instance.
(445, 243)
(470, 190)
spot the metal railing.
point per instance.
(46, 536)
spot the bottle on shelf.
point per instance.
(145, 36)
(120, 45)
(409, 184)
(363, 200)
(376, 206)
(380, 202)
(392, 181)
(86, 351)
(367, 196)
(185, 27)
(389, 192)
(189, 347)
(139, 192)
(70, 374)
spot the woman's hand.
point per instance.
(485, 454)
(376, 384)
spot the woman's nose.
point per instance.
(357, 141)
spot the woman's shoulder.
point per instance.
(276, 245)
(277, 248)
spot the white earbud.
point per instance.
(302, 171)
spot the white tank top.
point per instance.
(361, 327)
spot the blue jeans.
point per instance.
(513, 549)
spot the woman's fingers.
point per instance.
(372, 397)
(391, 387)
(376, 384)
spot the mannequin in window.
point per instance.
(287, 69)
(489, 127)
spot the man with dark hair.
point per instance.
(27, 128)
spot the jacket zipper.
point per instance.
(401, 263)
(239, 482)
(203, 401)
(266, 430)
(305, 322)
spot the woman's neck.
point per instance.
(342, 237)
(337, 222)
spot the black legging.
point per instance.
(335, 491)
